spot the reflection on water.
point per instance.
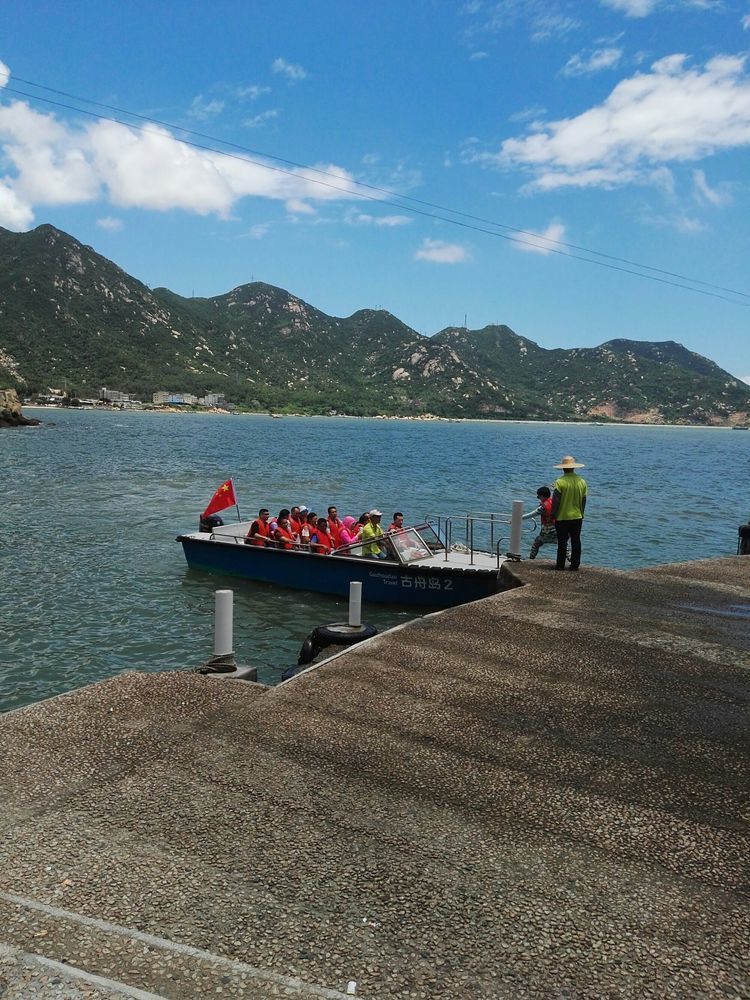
(95, 582)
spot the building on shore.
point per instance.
(212, 399)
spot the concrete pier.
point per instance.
(543, 794)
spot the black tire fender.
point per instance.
(341, 634)
(308, 651)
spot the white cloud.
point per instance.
(746, 22)
(550, 25)
(441, 253)
(476, 56)
(4, 74)
(109, 223)
(296, 206)
(678, 221)
(595, 62)
(203, 109)
(259, 230)
(252, 93)
(544, 22)
(642, 8)
(702, 192)
(542, 243)
(674, 113)
(526, 114)
(259, 120)
(632, 8)
(291, 71)
(355, 218)
(744, 378)
(51, 163)
(15, 214)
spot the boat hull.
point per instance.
(382, 583)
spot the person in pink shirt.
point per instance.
(349, 532)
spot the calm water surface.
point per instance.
(94, 582)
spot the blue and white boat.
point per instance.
(418, 568)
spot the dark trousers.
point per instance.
(569, 530)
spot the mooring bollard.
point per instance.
(355, 603)
(222, 663)
(223, 623)
(514, 545)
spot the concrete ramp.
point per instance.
(541, 794)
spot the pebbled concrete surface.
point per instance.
(539, 795)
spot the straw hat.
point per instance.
(568, 462)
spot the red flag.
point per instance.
(223, 497)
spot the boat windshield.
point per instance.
(406, 546)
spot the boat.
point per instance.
(421, 564)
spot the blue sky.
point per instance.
(615, 126)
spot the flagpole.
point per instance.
(239, 518)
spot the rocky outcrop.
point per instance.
(10, 411)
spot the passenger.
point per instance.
(350, 531)
(334, 524)
(259, 531)
(321, 541)
(547, 533)
(363, 520)
(372, 534)
(294, 518)
(397, 524)
(311, 523)
(281, 530)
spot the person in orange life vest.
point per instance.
(547, 534)
(281, 530)
(397, 524)
(259, 529)
(320, 540)
(334, 524)
(294, 519)
(308, 526)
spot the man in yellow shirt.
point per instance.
(568, 506)
(371, 532)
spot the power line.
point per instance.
(531, 239)
(384, 191)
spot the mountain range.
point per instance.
(71, 318)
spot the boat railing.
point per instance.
(482, 531)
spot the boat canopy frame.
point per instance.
(443, 525)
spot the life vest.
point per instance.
(321, 542)
(296, 525)
(283, 537)
(334, 527)
(546, 515)
(258, 527)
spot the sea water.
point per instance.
(94, 582)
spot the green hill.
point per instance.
(69, 317)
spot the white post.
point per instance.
(223, 615)
(514, 545)
(355, 603)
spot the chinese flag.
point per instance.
(223, 497)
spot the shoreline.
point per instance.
(348, 416)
